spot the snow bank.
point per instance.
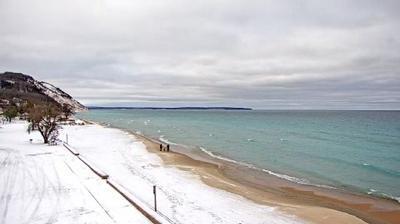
(48, 184)
(182, 197)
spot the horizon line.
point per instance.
(228, 108)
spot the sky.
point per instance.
(260, 54)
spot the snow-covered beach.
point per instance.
(47, 184)
(51, 185)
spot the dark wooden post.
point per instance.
(155, 197)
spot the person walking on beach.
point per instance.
(161, 147)
(168, 148)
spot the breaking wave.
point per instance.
(279, 175)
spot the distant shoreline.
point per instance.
(170, 108)
(230, 108)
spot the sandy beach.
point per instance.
(311, 203)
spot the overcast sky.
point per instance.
(262, 54)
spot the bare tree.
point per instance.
(45, 118)
(67, 111)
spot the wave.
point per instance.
(279, 175)
(297, 180)
(165, 140)
(287, 177)
(363, 165)
(380, 170)
(383, 195)
(225, 159)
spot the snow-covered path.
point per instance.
(47, 184)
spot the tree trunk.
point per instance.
(44, 135)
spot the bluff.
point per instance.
(18, 88)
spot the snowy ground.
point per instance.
(47, 184)
(182, 197)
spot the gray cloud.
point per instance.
(263, 54)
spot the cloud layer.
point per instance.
(262, 54)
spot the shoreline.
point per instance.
(308, 202)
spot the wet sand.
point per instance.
(313, 204)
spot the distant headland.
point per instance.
(171, 108)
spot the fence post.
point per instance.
(155, 197)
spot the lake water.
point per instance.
(352, 150)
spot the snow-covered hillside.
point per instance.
(19, 87)
(58, 95)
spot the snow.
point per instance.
(58, 95)
(181, 195)
(10, 81)
(48, 184)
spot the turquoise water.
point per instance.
(353, 150)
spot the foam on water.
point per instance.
(282, 176)
(165, 140)
(225, 159)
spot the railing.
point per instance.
(148, 210)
